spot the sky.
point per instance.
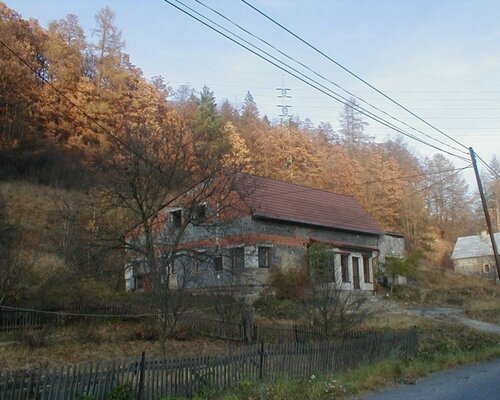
(441, 59)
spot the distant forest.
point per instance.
(63, 144)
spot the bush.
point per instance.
(122, 392)
(34, 338)
(290, 284)
(447, 340)
(269, 306)
(146, 331)
(88, 333)
(319, 261)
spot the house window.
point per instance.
(366, 268)
(344, 264)
(264, 256)
(200, 213)
(138, 283)
(218, 263)
(486, 268)
(197, 259)
(238, 258)
(176, 218)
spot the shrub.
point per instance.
(291, 283)
(122, 392)
(146, 331)
(319, 261)
(34, 338)
(88, 333)
(269, 306)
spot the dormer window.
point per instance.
(200, 213)
(176, 218)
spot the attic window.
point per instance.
(176, 218)
(200, 213)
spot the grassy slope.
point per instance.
(34, 210)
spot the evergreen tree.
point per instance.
(249, 109)
(210, 139)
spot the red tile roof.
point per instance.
(278, 200)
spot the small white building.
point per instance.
(473, 255)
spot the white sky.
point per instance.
(441, 58)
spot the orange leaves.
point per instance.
(238, 157)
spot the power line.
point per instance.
(359, 78)
(409, 196)
(353, 74)
(494, 173)
(325, 188)
(322, 76)
(307, 80)
(82, 110)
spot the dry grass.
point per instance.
(432, 279)
(448, 288)
(391, 320)
(81, 344)
(485, 310)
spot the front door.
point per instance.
(355, 272)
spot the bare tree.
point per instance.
(334, 311)
(328, 307)
(165, 182)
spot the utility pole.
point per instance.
(486, 211)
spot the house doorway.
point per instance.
(355, 273)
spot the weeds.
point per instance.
(35, 338)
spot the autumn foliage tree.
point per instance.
(184, 134)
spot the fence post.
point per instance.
(261, 361)
(248, 323)
(141, 377)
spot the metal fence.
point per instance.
(153, 378)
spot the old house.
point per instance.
(473, 255)
(272, 228)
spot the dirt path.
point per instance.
(454, 315)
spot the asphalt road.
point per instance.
(470, 382)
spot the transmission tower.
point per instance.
(284, 106)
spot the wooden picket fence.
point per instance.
(13, 319)
(153, 378)
(213, 328)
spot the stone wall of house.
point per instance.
(288, 246)
(483, 267)
(391, 245)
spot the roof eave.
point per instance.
(304, 223)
